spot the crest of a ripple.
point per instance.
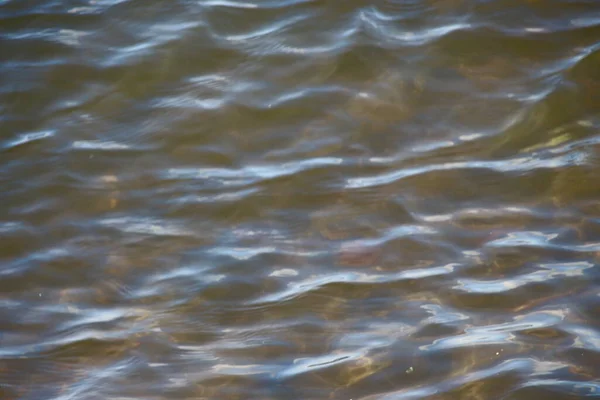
(442, 315)
(222, 176)
(546, 273)
(256, 233)
(520, 164)
(203, 92)
(300, 94)
(146, 226)
(28, 138)
(189, 273)
(7, 227)
(574, 387)
(376, 24)
(249, 369)
(71, 37)
(277, 27)
(243, 253)
(96, 5)
(83, 317)
(561, 23)
(97, 380)
(274, 47)
(486, 218)
(99, 145)
(189, 101)
(214, 198)
(61, 342)
(130, 55)
(284, 273)
(231, 4)
(313, 283)
(253, 4)
(558, 65)
(170, 30)
(527, 239)
(391, 11)
(585, 337)
(374, 335)
(251, 173)
(304, 365)
(499, 334)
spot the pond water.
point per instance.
(299, 199)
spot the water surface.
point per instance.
(299, 199)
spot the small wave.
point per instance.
(520, 164)
(277, 27)
(28, 138)
(255, 4)
(95, 6)
(252, 173)
(146, 226)
(304, 365)
(99, 145)
(376, 24)
(314, 283)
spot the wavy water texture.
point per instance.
(299, 199)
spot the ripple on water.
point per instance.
(299, 199)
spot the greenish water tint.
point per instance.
(299, 199)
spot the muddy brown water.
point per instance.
(296, 199)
